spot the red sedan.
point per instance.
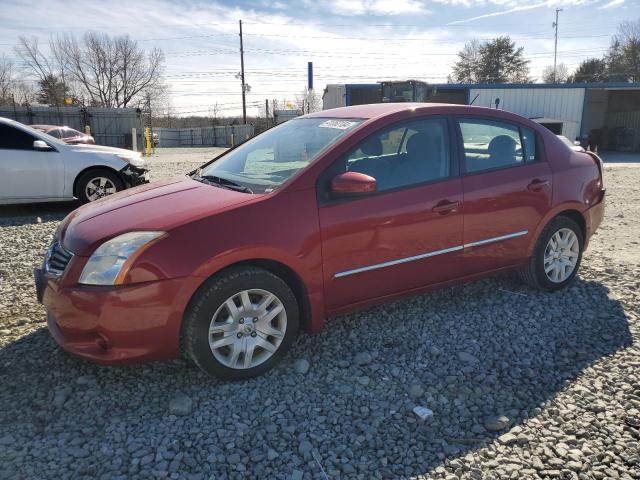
(68, 135)
(324, 214)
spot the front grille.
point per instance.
(57, 258)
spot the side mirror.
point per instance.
(353, 184)
(41, 145)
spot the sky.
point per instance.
(348, 41)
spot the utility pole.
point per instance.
(244, 88)
(555, 49)
(266, 111)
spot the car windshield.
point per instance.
(47, 137)
(265, 162)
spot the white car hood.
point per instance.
(102, 149)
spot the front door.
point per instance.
(409, 233)
(26, 173)
(507, 191)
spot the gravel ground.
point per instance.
(517, 383)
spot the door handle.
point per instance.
(445, 207)
(537, 185)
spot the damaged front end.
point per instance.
(134, 176)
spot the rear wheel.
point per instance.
(240, 324)
(96, 184)
(557, 255)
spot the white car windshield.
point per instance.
(265, 162)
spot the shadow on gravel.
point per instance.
(16, 215)
(485, 349)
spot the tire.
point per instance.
(536, 275)
(214, 337)
(105, 182)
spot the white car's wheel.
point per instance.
(96, 184)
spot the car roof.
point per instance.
(49, 127)
(375, 110)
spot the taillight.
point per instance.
(600, 164)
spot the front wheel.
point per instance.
(556, 257)
(97, 183)
(240, 324)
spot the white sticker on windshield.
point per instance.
(340, 124)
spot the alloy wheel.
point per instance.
(247, 329)
(561, 255)
(99, 187)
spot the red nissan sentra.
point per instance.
(326, 213)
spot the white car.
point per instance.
(36, 167)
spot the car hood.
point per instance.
(159, 206)
(84, 148)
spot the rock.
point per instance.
(77, 452)
(495, 424)
(508, 439)
(364, 380)
(416, 391)
(301, 366)
(86, 380)
(296, 475)
(363, 358)
(60, 398)
(467, 358)
(272, 454)
(234, 458)
(180, 404)
(423, 413)
(304, 447)
(573, 465)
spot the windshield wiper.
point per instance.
(226, 183)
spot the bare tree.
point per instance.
(105, 71)
(466, 67)
(561, 75)
(47, 70)
(7, 80)
(308, 101)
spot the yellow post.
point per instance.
(232, 142)
(147, 140)
(87, 129)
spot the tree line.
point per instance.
(94, 70)
(501, 61)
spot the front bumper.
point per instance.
(115, 325)
(134, 176)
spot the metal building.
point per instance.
(609, 110)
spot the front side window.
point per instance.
(265, 162)
(15, 139)
(406, 154)
(489, 145)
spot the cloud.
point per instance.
(377, 7)
(503, 12)
(611, 4)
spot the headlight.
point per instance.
(111, 261)
(134, 159)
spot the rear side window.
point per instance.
(15, 139)
(489, 145)
(529, 141)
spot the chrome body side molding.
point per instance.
(422, 256)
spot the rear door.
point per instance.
(507, 190)
(26, 173)
(409, 233)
